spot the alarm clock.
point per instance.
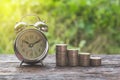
(31, 44)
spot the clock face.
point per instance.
(31, 44)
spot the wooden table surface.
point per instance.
(10, 70)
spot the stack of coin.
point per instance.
(84, 59)
(95, 61)
(72, 57)
(61, 55)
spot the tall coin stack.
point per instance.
(84, 59)
(72, 57)
(61, 55)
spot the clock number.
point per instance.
(40, 49)
(42, 45)
(26, 37)
(35, 54)
(21, 45)
(31, 36)
(23, 50)
(36, 37)
(27, 54)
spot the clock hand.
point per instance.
(26, 42)
(36, 42)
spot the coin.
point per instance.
(72, 57)
(61, 47)
(84, 59)
(95, 61)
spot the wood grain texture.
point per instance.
(10, 70)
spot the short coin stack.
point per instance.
(95, 61)
(84, 59)
(72, 57)
(61, 55)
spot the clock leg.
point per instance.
(21, 63)
(42, 63)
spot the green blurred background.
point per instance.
(90, 25)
